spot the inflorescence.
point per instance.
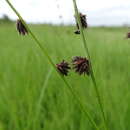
(80, 65)
(128, 35)
(21, 28)
(83, 21)
(63, 68)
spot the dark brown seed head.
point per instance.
(21, 28)
(63, 68)
(81, 65)
(128, 35)
(83, 23)
(83, 20)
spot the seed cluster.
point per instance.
(128, 35)
(63, 67)
(80, 65)
(83, 21)
(21, 28)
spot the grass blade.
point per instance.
(88, 54)
(44, 86)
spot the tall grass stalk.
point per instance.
(44, 86)
(41, 96)
(91, 68)
(43, 50)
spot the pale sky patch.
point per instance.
(101, 12)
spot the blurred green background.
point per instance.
(32, 95)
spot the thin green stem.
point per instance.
(88, 54)
(44, 86)
(43, 50)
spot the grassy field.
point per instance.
(33, 97)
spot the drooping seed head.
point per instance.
(21, 28)
(83, 20)
(81, 65)
(83, 23)
(63, 68)
(128, 35)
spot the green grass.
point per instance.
(24, 72)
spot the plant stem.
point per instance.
(43, 50)
(91, 69)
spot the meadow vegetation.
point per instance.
(33, 97)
